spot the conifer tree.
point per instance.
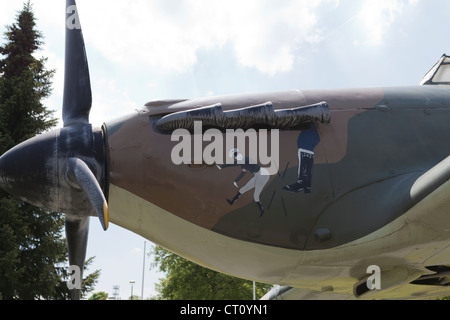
(32, 247)
(25, 82)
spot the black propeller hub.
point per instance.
(36, 171)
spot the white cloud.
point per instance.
(109, 98)
(378, 16)
(168, 34)
(265, 37)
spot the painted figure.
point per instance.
(306, 143)
(258, 182)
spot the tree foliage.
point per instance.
(188, 281)
(32, 247)
(99, 296)
(25, 82)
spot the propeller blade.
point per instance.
(77, 231)
(31, 170)
(81, 177)
(77, 100)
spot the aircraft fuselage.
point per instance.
(358, 179)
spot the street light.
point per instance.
(132, 282)
(143, 272)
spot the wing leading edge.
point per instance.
(419, 239)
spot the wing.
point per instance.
(289, 293)
(405, 292)
(419, 242)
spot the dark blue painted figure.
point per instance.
(306, 143)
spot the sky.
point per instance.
(143, 50)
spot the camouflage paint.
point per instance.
(358, 166)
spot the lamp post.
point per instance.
(143, 272)
(132, 282)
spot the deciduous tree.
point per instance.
(188, 281)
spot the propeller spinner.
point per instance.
(64, 170)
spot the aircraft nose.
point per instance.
(28, 171)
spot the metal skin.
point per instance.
(366, 184)
(358, 168)
(371, 177)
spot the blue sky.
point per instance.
(142, 50)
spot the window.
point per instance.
(439, 74)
